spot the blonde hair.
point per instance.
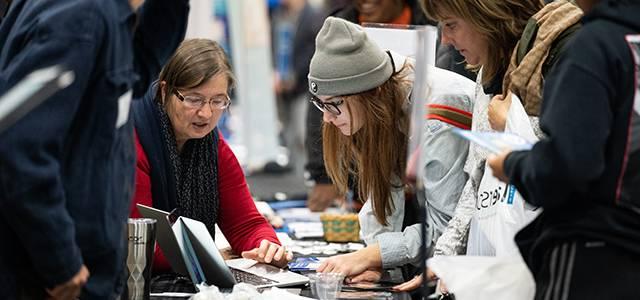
(376, 154)
(500, 22)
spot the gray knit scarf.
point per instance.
(196, 174)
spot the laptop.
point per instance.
(30, 92)
(191, 251)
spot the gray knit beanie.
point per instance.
(346, 61)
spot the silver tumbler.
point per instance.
(141, 243)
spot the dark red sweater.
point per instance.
(238, 217)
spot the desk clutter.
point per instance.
(332, 225)
(317, 230)
(316, 248)
(321, 248)
(308, 233)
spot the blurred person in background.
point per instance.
(294, 25)
(67, 167)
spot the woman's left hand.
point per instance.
(354, 263)
(409, 285)
(349, 264)
(371, 275)
(417, 281)
(496, 162)
(269, 253)
(498, 111)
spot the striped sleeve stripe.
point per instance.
(450, 115)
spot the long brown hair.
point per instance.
(501, 22)
(194, 63)
(377, 153)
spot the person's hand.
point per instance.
(281, 86)
(498, 111)
(321, 196)
(348, 264)
(269, 253)
(415, 282)
(353, 263)
(409, 285)
(70, 289)
(371, 275)
(443, 288)
(277, 83)
(432, 276)
(496, 162)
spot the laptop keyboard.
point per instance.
(246, 277)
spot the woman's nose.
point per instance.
(327, 117)
(205, 111)
(446, 38)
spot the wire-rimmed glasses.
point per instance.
(197, 102)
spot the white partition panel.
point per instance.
(251, 54)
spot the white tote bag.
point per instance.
(500, 210)
(485, 278)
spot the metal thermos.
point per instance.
(141, 236)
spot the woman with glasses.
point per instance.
(364, 94)
(183, 163)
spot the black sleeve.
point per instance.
(577, 118)
(304, 49)
(313, 142)
(161, 27)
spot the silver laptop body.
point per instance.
(206, 257)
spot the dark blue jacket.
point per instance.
(67, 168)
(586, 173)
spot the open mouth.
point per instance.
(200, 125)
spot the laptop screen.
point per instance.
(165, 237)
(189, 254)
(189, 248)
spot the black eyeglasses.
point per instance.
(330, 107)
(197, 102)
